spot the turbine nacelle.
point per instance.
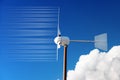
(62, 40)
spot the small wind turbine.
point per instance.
(100, 42)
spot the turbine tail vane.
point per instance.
(101, 41)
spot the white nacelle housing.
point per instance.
(62, 40)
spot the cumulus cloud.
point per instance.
(97, 66)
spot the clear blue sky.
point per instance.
(79, 19)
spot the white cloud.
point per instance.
(97, 66)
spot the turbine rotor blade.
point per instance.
(58, 34)
(58, 28)
(58, 46)
(57, 54)
(58, 31)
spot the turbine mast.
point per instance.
(65, 63)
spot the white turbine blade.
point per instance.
(58, 46)
(58, 28)
(57, 54)
(59, 33)
(101, 41)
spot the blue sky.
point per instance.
(79, 19)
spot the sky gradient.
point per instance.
(79, 19)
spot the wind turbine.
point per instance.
(100, 42)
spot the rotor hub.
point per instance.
(62, 40)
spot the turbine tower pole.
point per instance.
(65, 63)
